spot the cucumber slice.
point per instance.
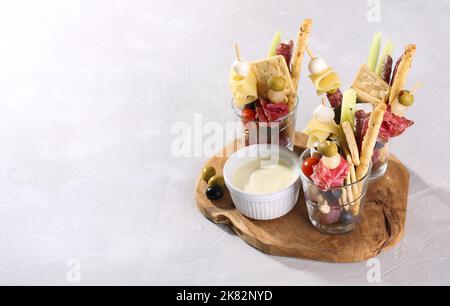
(374, 51)
(274, 44)
(348, 106)
(388, 50)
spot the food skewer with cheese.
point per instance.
(325, 80)
(269, 79)
(321, 126)
(242, 81)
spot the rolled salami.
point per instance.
(335, 98)
(387, 69)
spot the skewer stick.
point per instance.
(323, 101)
(311, 55)
(415, 87)
(238, 51)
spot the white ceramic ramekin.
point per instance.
(266, 206)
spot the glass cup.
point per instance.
(338, 210)
(380, 160)
(281, 132)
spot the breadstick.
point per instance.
(344, 200)
(376, 119)
(349, 192)
(352, 173)
(402, 72)
(351, 141)
(298, 58)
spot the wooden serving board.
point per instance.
(382, 225)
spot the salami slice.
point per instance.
(392, 126)
(286, 50)
(387, 69)
(335, 98)
(360, 120)
(326, 178)
(274, 111)
(395, 69)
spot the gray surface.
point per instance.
(89, 93)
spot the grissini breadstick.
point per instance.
(349, 193)
(351, 141)
(352, 194)
(344, 200)
(402, 72)
(352, 172)
(300, 48)
(376, 119)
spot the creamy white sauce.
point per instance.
(255, 176)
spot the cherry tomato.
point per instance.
(249, 114)
(307, 166)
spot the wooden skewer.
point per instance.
(323, 101)
(311, 55)
(415, 87)
(238, 51)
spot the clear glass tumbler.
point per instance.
(380, 160)
(338, 210)
(281, 132)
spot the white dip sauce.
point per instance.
(255, 176)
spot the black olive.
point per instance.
(333, 195)
(250, 106)
(214, 192)
(346, 217)
(379, 145)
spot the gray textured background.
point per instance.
(89, 91)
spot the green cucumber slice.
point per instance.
(374, 51)
(348, 106)
(274, 44)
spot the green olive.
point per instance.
(208, 173)
(328, 149)
(277, 83)
(405, 98)
(217, 180)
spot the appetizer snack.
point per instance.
(322, 126)
(372, 87)
(265, 91)
(273, 79)
(325, 80)
(345, 142)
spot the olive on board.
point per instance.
(214, 192)
(207, 173)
